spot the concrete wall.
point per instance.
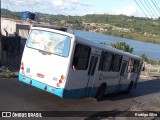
(10, 25)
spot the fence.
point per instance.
(10, 51)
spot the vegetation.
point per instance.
(150, 61)
(117, 25)
(122, 46)
(127, 27)
(7, 74)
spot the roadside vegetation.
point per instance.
(122, 46)
(7, 72)
(150, 61)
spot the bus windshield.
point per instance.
(49, 42)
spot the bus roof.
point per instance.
(107, 48)
(64, 29)
(51, 30)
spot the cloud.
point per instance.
(47, 6)
(69, 5)
(61, 4)
(73, 1)
(25, 2)
(127, 10)
(84, 4)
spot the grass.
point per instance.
(7, 74)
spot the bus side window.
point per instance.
(101, 60)
(105, 61)
(81, 57)
(136, 66)
(116, 63)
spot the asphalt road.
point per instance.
(17, 96)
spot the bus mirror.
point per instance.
(143, 68)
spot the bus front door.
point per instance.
(123, 82)
(91, 73)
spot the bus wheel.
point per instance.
(100, 92)
(129, 88)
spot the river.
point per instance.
(151, 50)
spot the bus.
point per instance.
(69, 66)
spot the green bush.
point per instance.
(150, 61)
(122, 46)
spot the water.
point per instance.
(149, 49)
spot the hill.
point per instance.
(117, 25)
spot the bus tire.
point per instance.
(100, 93)
(129, 88)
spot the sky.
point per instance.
(76, 7)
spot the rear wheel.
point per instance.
(100, 92)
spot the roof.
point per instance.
(50, 27)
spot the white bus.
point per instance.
(72, 67)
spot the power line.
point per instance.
(155, 5)
(159, 4)
(158, 1)
(145, 8)
(11, 5)
(152, 8)
(141, 9)
(152, 12)
(149, 7)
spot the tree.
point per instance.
(122, 46)
(144, 57)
